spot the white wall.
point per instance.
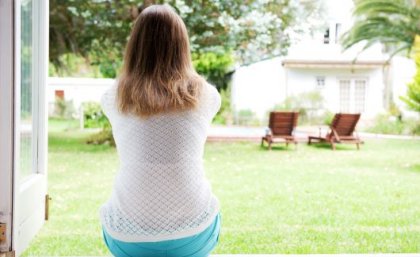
(261, 86)
(258, 86)
(304, 80)
(402, 73)
(78, 90)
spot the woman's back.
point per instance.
(160, 192)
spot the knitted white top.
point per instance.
(160, 192)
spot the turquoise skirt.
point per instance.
(199, 245)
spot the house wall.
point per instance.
(78, 90)
(258, 87)
(304, 80)
(402, 73)
(261, 86)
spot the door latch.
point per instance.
(47, 206)
(2, 232)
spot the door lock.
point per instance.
(2, 232)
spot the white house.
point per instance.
(77, 90)
(349, 81)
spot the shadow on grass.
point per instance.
(279, 147)
(73, 140)
(338, 147)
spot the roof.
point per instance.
(355, 64)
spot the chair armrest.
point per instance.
(337, 137)
(268, 131)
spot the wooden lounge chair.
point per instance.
(281, 126)
(342, 130)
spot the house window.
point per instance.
(352, 95)
(327, 36)
(359, 95)
(320, 82)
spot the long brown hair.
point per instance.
(158, 75)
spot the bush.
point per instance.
(413, 126)
(93, 116)
(412, 99)
(247, 117)
(328, 118)
(103, 137)
(395, 125)
(310, 106)
(64, 109)
(214, 67)
(387, 124)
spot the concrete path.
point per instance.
(242, 133)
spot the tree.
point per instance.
(96, 30)
(413, 90)
(394, 23)
(248, 30)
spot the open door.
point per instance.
(23, 121)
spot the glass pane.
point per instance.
(344, 96)
(26, 137)
(360, 95)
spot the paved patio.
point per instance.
(254, 134)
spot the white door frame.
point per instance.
(22, 200)
(6, 119)
(29, 192)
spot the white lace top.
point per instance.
(160, 192)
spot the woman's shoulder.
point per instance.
(108, 98)
(210, 91)
(110, 92)
(210, 99)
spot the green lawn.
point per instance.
(309, 200)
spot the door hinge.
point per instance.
(47, 206)
(2, 232)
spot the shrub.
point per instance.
(389, 124)
(214, 67)
(93, 116)
(247, 117)
(412, 99)
(64, 109)
(413, 126)
(310, 106)
(103, 137)
(328, 117)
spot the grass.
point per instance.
(309, 200)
